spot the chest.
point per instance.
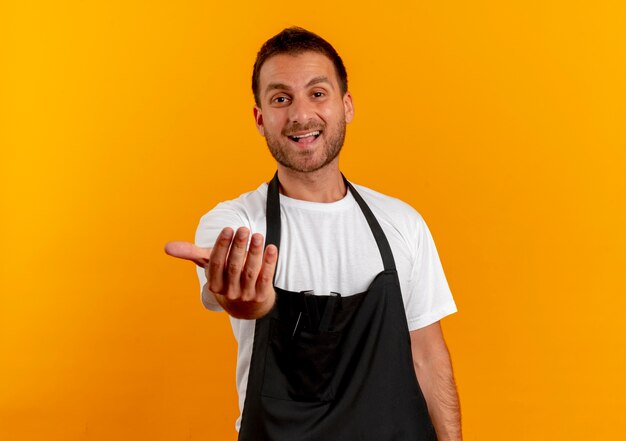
(332, 251)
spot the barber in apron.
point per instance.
(334, 368)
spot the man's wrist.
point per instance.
(246, 309)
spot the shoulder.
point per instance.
(244, 211)
(244, 207)
(392, 211)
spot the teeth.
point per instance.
(317, 132)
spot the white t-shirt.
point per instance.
(330, 247)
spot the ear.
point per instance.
(258, 119)
(348, 107)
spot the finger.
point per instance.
(251, 268)
(265, 280)
(217, 261)
(188, 251)
(236, 259)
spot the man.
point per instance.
(338, 315)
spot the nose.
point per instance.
(300, 111)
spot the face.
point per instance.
(302, 113)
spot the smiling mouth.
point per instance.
(306, 138)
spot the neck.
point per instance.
(323, 185)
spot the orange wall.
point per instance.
(122, 122)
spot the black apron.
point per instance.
(334, 368)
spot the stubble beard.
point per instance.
(301, 161)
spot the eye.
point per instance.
(280, 100)
(318, 94)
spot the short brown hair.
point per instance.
(295, 41)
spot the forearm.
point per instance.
(436, 380)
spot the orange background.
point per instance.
(122, 122)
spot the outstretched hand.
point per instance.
(242, 279)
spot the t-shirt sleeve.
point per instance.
(211, 224)
(429, 299)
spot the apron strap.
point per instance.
(272, 213)
(377, 230)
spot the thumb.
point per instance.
(188, 251)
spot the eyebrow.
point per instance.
(314, 81)
(320, 79)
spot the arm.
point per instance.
(241, 279)
(433, 369)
